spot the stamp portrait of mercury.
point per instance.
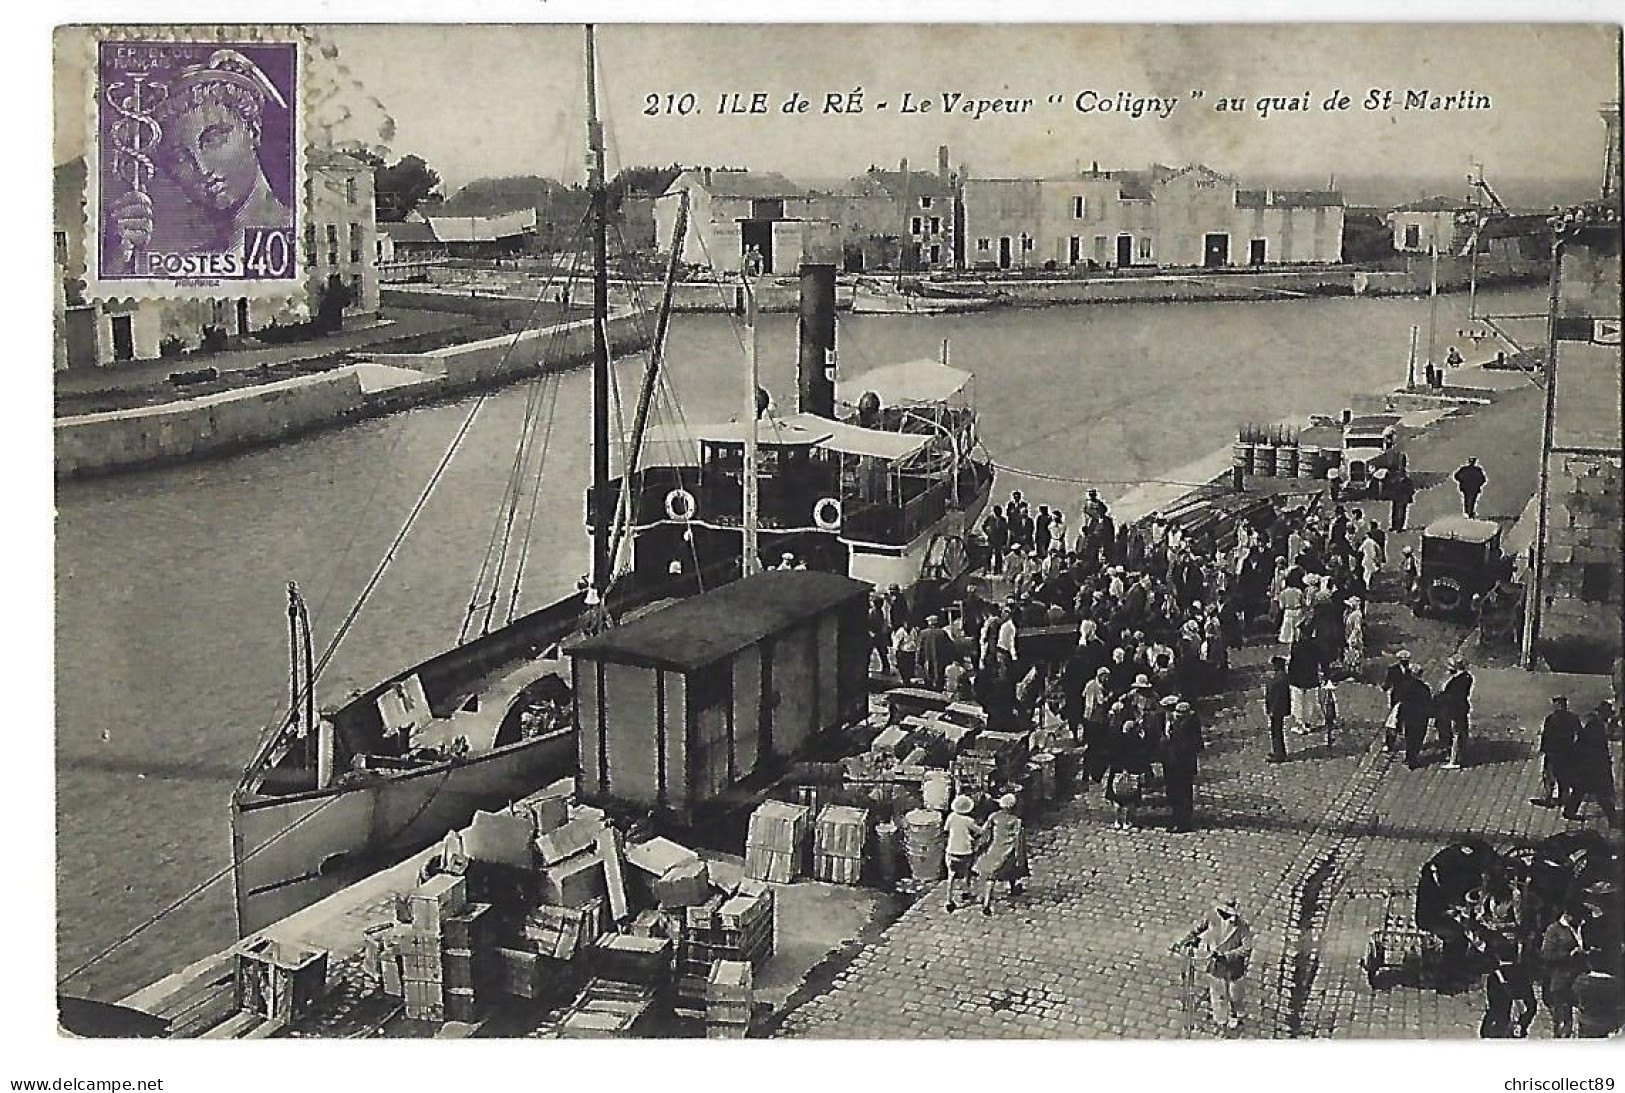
(196, 173)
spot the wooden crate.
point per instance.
(437, 899)
(776, 825)
(468, 929)
(776, 866)
(279, 980)
(520, 973)
(833, 869)
(641, 960)
(841, 831)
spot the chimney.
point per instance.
(902, 166)
(942, 162)
(1094, 167)
(815, 371)
(706, 174)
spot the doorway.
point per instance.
(1004, 252)
(1074, 252)
(1255, 252)
(1216, 250)
(1125, 251)
(123, 338)
(757, 235)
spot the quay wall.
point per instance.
(264, 414)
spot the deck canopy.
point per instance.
(906, 383)
(849, 439)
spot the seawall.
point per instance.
(264, 414)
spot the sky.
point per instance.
(493, 100)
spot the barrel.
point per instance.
(1286, 461)
(887, 863)
(924, 842)
(936, 789)
(1309, 461)
(1041, 775)
(1264, 456)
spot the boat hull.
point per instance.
(292, 851)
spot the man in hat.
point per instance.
(1411, 577)
(1224, 941)
(1451, 711)
(1179, 761)
(997, 531)
(1401, 492)
(1096, 733)
(1562, 960)
(934, 650)
(1506, 988)
(211, 183)
(1415, 710)
(1592, 767)
(1557, 736)
(1391, 680)
(1277, 707)
(1470, 479)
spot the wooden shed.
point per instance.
(675, 708)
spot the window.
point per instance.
(60, 241)
(310, 244)
(983, 244)
(355, 243)
(936, 225)
(925, 202)
(1413, 235)
(1145, 247)
(1026, 242)
(1079, 206)
(349, 190)
(914, 225)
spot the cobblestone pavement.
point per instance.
(1083, 953)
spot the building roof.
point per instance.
(915, 184)
(709, 627)
(904, 383)
(734, 182)
(409, 231)
(482, 229)
(1438, 204)
(1287, 199)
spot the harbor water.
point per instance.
(171, 627)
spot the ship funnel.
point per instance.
(815, 371)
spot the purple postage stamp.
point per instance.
(195, 169)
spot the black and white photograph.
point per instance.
(824, 531)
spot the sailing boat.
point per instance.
(326, 799)
(880, 296)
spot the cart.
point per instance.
(1400, 947)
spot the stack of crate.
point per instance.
(432, 903)
(729, 998)
(776, 842)
(642, 961)
(838, 843)
(738, 928)
(468, 961)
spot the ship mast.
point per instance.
(601, 562)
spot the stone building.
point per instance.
(1442, 222)
(1163, 216)
(1574, 618)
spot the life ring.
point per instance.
(827, 514)
(680, 505)
(1445, 594)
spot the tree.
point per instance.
(404, 186)
(335, 297)
(647, 180)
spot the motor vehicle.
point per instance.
(1461, 561)
(1371, 455)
